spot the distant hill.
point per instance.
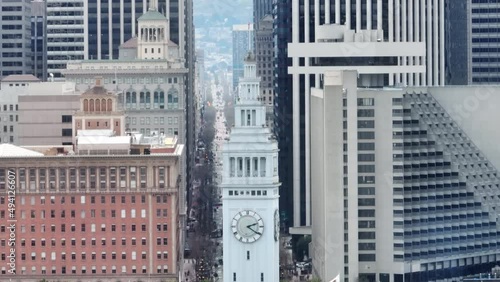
(210, 13)
(213, 20)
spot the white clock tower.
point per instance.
(250, 188)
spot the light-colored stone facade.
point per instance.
(151, 92)
(34, 112)
(99, 110)
(151, 86)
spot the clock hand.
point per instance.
(256, 232)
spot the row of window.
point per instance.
(160, 269)
(156, 120)
(123, 214)
(93, 199)
(93, 256)
(247, 193)
(93, 242)
(83, 228)
(10, 107)
(11, 139)
(149, 131)
(91, 176)
(129, 80)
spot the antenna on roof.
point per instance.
(249, 38)
(153, 6)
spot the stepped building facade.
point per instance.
(405, 181)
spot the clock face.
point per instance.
(276, 225)
(247, 226)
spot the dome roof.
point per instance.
(250, 57)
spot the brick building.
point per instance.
(94, 215)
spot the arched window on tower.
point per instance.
(156, 100)
(85, 105)
(128, 100)
(173, 99)
(103, 105)
(134, 99)
(142, 100)
(162, 100)
(110, 105)
(91, 105)
(97, 105)
(148, 99)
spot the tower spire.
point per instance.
(153, 5)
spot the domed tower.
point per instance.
(154, 34)
(250, 189)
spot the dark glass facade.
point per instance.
(457, 57)
(39, 39)
(110, 17)
(260, 9)
(283, 115)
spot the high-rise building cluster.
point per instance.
(401, 203)
(97, 113)
(383, 113)
(243, 38)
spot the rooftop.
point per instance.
(243, 27)
(130, 44)
(21, 78)
(98, 88)
(152, 15)
(104, 140)
(9, 150)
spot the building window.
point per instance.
(67, 118)
(366, 257)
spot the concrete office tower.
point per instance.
(471, 54)
(11, 87)
(243, 37)
(15, 50)
(394, 46)
(45, 115)
(35, 111)
(405, 182)
(484, 61)
(67, 37)
(106, 208)
(39, 38)
(264, 54)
